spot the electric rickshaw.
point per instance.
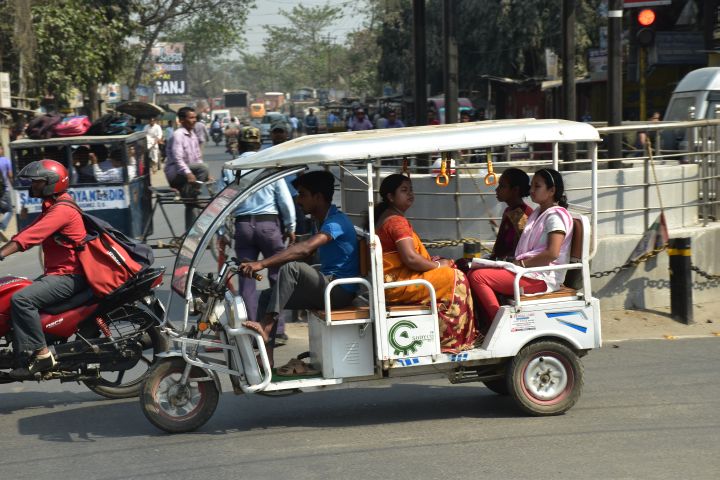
(532, 352)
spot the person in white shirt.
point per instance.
(112, 169)
(154, 139)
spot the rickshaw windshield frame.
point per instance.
(213, 217)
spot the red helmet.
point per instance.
(54, 173)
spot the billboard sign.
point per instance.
(169, 74)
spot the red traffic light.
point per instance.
(646, 17)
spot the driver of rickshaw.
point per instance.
(299, 285)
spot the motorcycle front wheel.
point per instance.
(172, 406)
(127, 322)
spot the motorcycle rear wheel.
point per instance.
(153, 341)
(177, 408)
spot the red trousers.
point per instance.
(486, 282)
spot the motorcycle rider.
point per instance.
(63, 277)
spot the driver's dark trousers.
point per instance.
(299, 286)
(46, 291)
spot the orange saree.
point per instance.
(454, 299)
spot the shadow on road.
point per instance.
(338, 408)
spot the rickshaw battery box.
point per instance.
(341, 350)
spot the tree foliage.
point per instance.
(80, 43)
(310, 52)
(209, 27)
(504, 38)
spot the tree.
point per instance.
(69, 34)
(209, 26)
(511, 44)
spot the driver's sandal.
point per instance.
(38, 364)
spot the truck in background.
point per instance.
(237, 101)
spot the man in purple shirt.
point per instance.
(184, 167)
(359, 122)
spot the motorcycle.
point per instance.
(217, 137)
(98, 342)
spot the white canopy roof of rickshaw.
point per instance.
(398, 142)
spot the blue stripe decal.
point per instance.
(572, 325)
(560, 314)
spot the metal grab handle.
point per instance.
(443, 179)
(491, 177)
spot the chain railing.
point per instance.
(704, 274)
(630, 263)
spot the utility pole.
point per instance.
(450, 61)
(568, 59)
(614, 92)
(419, 64)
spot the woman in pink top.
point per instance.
(544, 241)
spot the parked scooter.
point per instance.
(108, 344)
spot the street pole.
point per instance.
(568, 59)
(642, 60)
(419, 64)
(450, 60)
(615, 17)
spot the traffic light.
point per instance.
(646, 20)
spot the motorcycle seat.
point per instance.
(73, 302)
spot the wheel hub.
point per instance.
(546, 377)
(178, 395)
(176, 399)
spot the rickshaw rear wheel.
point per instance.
(174, 407)
(545, 378)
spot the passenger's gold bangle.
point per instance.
(438, 264)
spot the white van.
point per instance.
(220, 114)
(699, 89)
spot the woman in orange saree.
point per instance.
(405, 258)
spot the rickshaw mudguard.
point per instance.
(210, 373)
(576, 323)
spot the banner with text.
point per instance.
(87, 198)
(169, 75)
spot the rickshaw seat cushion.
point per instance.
(563, 292)
(347, 313)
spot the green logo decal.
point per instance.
(400, 339)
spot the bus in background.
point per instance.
(257, 110)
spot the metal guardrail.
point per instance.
(694, 142)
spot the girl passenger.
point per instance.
(514, 184)
(544, 241)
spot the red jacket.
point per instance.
(64, 219)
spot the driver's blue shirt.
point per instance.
(339, 258)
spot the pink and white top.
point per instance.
(534, 240)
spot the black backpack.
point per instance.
(42, 127)
(111, 124)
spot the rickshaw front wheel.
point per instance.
(176, 407)
(545, 378)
